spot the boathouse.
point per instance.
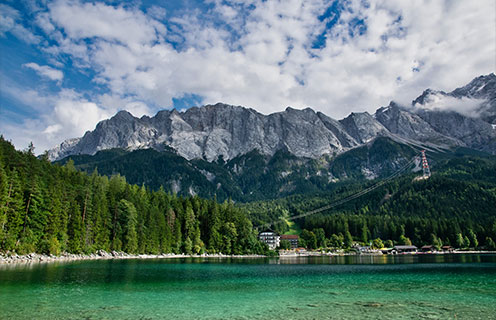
(405, 249)
(428, 248)
(447, 248)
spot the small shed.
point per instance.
(428, 248)
(447, 248)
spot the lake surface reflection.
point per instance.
(345, 287)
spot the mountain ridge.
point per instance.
(227, 131)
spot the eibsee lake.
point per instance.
(352, 287)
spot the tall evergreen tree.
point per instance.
(75, 229)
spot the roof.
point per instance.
(405, 247)
(428, 247)
(289, 236)
(267, 233)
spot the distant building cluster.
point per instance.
(293, 240)
(273, 240)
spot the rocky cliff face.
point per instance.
(218, 130)
(228, 131)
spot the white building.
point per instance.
(272, 239)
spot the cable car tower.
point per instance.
(425, 166)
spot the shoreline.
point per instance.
(15, 259)
(337, 254)
(102, 255)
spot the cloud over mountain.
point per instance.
(333, 56)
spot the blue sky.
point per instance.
(65, 65)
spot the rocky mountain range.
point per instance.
(465, 117)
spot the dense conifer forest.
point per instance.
(456, 206)
(50, 208)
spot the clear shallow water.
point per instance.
(363, 287)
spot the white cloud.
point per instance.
(270, 64)
(113, 103)
(43, 21)
(46, 71)
(97, 20)
(259, 54)
(441, 102)
(64, 115)
(9, 22)
(76, 115)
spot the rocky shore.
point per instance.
(12, 258)
(103, 255)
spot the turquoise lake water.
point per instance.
(352, 287)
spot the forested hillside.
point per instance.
(459, 199)
(50, 208)
(251, 176)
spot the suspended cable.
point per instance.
(344, 200)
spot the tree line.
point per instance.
(49, 208)
(52, 208)
(456, 206)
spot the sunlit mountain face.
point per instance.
(67, 65)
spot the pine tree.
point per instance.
(4, 191)
(75, 229)
(404, 241)
(102, 218)
(128, 216)
(35, 216)
(230, 235)
(14, 208)
(320, 236)
(177, 237)
(214, 223)
(365, 234)
(436, 242)
(348, 240)
(490, 245)
(473, 238)
(460, 241)
(198, 245)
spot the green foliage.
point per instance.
(309, 239)
(320, 236)
(335, 241)
(285, 245)
(51, 208)
(42, 204)
(460, 242)
(473, 238)
(490, 245)
(248, 177)
(128, 216)
(459, 196)
(404, 241)
(377, 244)
(50, 246)
(348, 239)
(436, 242)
